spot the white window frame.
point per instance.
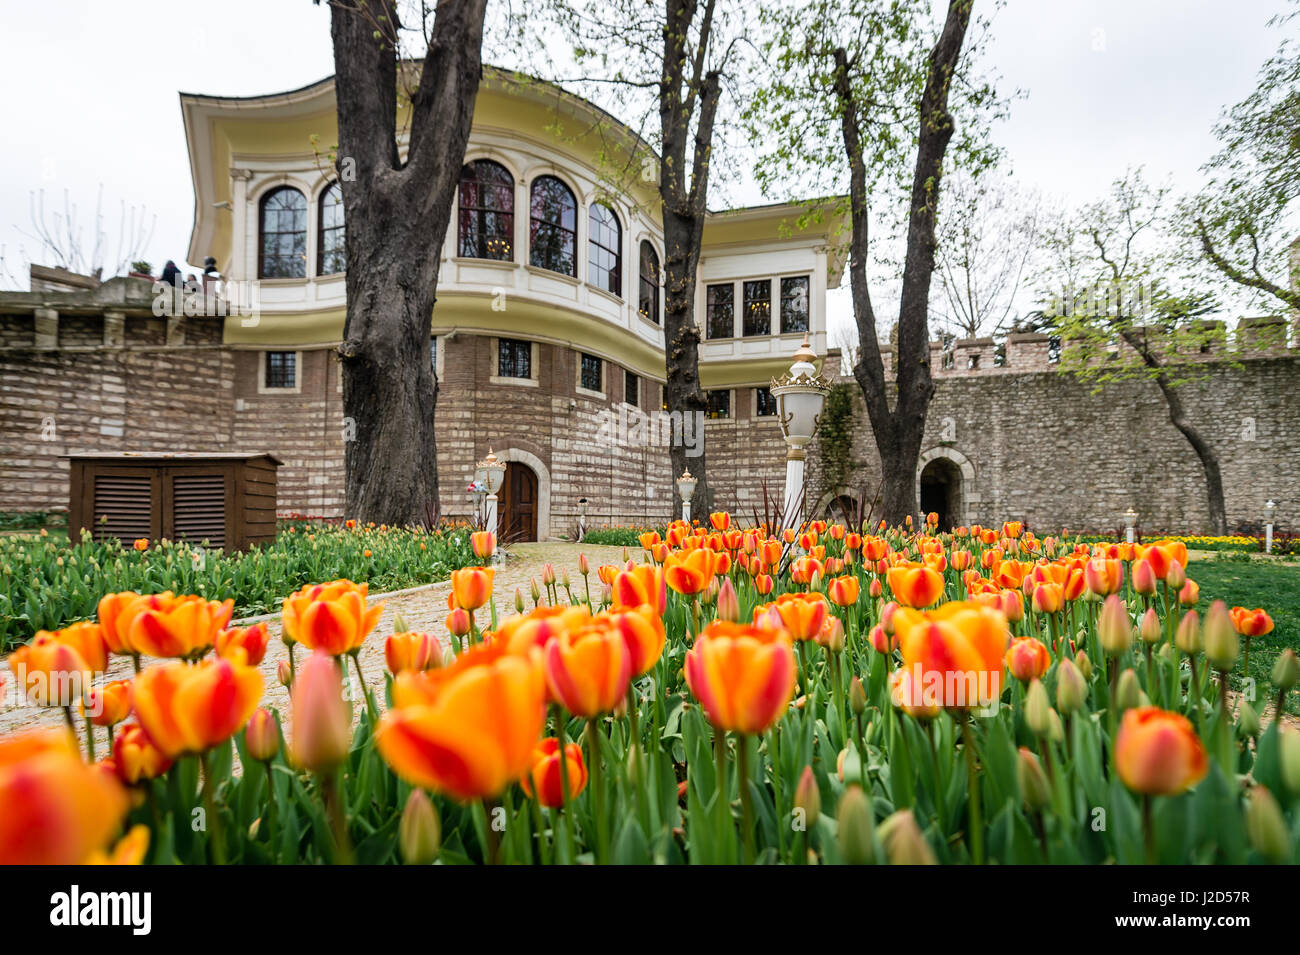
(533, 359)
(263, 389)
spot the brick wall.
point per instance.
(1035, 444)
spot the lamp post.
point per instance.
(1130, 525)
(685, 488)
(800, 395)
(582, 518)
(1270, 509)
(490, 472)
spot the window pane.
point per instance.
(758, 308)
(794, 304)
(433, 355)
(485, 229)
(720, 311)
(280, 369)
(331, 257)
(766, 404)
(553, 223)
(590, 375)
(719, 403)
(284, 234)
(631, 389)
(514, 358)
(604, 258)
(648, 297)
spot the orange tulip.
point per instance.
(321, 727)
(960, 646)
(115, 620)
(763, 583)
(262, 736)
(472, 586)
(88, 640)
(164, 625)
(743, 675)
(1048, 598)
(245, 644)
(588, 669)
(906, 694)
(769, 552)
(1144, 576)
(190, 709)
(649, 539)
(54, 809)
(802, 614)
(644, 634)
(521, 633)
(1011, 573)
(1158, 753)
(545, 772)
(844, 591)
(1251, 623)
(1027, 659)
(720, 520)
(689, 573)
(483, 544)
(642, 585)
(467, 730)
(412, 651)
(915, 585)
(51, 672)
(135, 758)
(109, 704)
(332, 617)
(1103, 576)
(1190, 593)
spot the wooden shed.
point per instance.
(225, 499)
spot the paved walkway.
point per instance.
(423, 608)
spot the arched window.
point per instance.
(553, 226)
(283, 250)
(648, 299)
(605, 249)
(487, 211)
(331, 256)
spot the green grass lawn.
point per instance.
(1256, 582)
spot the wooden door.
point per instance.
(518, 499)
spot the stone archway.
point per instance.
(945, 484)
(543, 497)
(838, 505)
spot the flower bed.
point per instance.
(814, 696)
(46, 582)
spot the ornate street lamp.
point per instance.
(490, 473)
(1270, 510)
(800, 395)
(1130, 525)
(685, 489)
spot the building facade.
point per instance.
(547, 343)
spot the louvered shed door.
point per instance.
(198, 508)
(123, 507)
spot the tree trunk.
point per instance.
(396, 216)
(899, 430)
(682, 361)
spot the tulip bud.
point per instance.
(1055, 728)
(535, 591)
(1149, 629)
(856, 825)
(458, 622)
(903, 841)
(1071, 688)
(808, 797)
(1035, 790)
(887, 617)
(633, 764)
(1144, 578)
(419, 833)
(1114, 629)
(1038, 709)
(519, 600)
(1188, 636)
(584, 568)
(322, 719)
(857, 697)
(875, 590)
(564, 578)
(1176, 576)
(1190, 593)
(1265, 826)
(1127, 690)
(1247, 721)
(262, 736)
(1221, 644)
(1084, 663)
(728, 602)
(284, 673)
(548, 574)
(1286, 670)
(1289, 757)
(832, 635)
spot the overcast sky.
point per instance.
(89, 92)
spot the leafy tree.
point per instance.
(1124, 311)
(397, 212)
(865, 91)
(1245, 220)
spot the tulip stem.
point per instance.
(976, 817)
(365, 691)
(746, 809)
(724, 794)
(90, 740)
(217, 841)
(271, 811)
(594, 759)
(329, 788)
(1148, 830)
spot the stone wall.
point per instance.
(1025, 440)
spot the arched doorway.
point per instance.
(519, 503)
(941, 492)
